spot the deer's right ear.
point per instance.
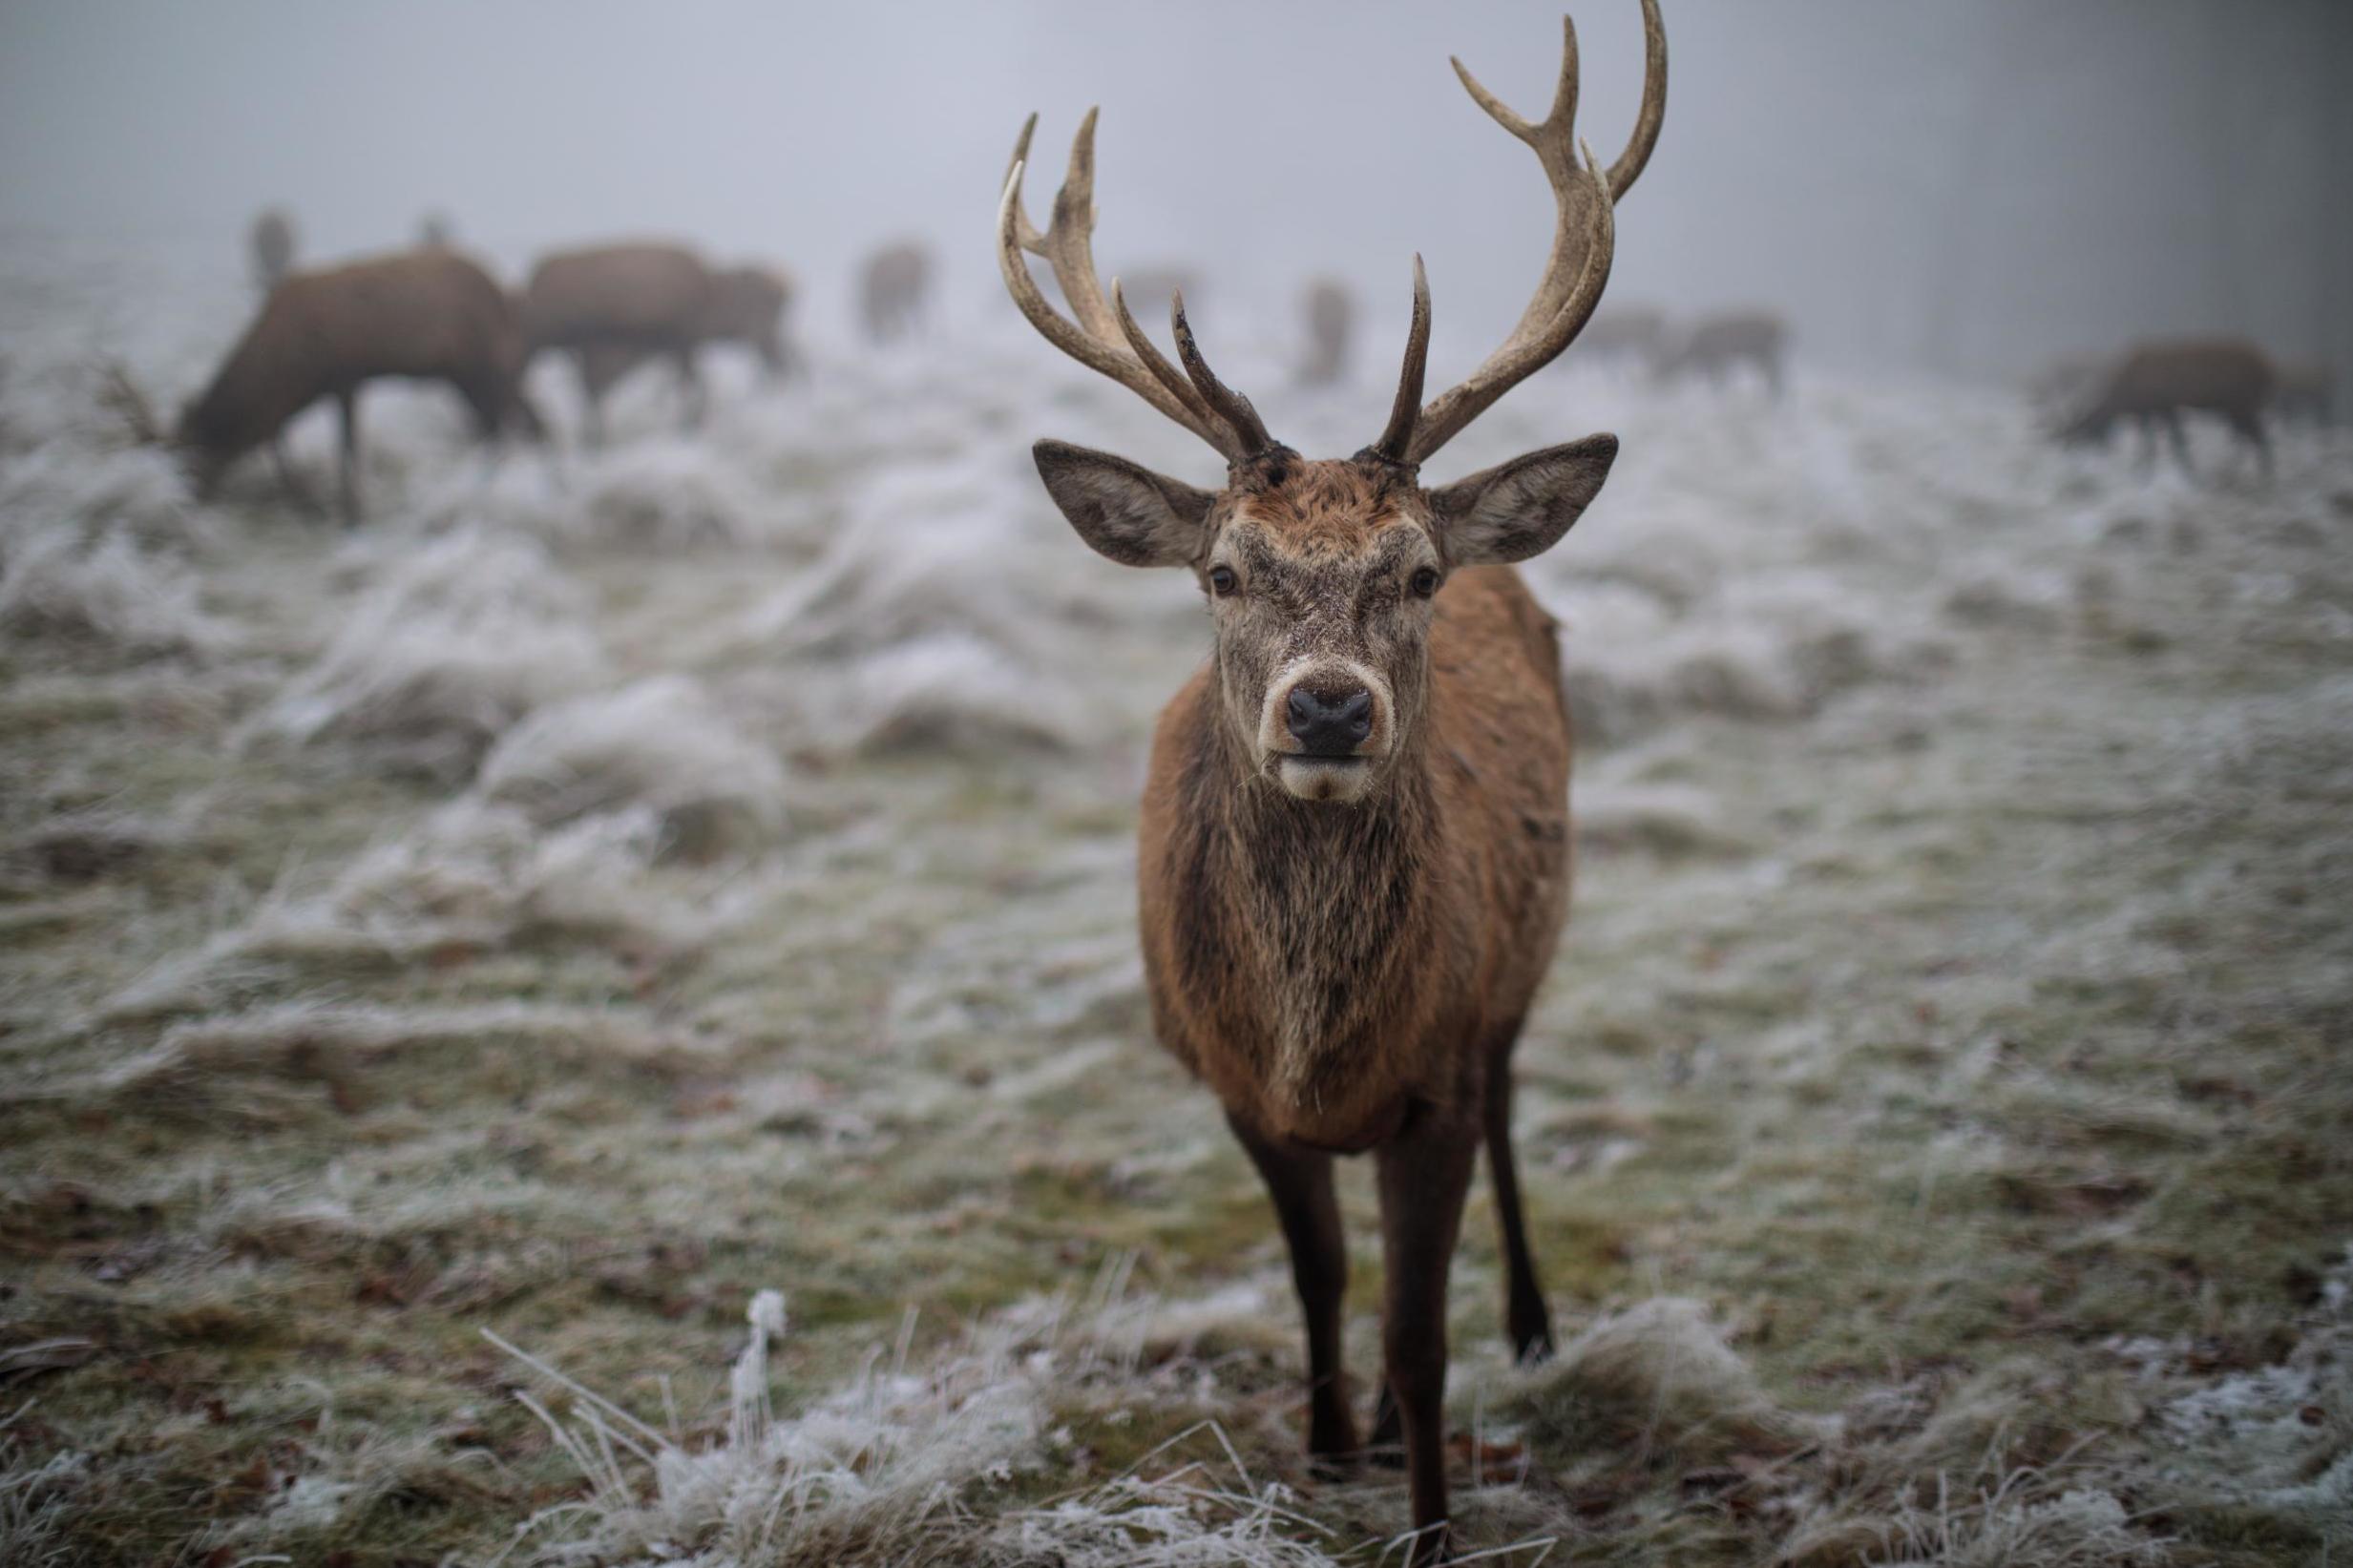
(1122, 510)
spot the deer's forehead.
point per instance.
(1329, 513)
(1259, 542)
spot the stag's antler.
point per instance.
(1584, 240)
(1104, 337)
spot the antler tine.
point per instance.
(1097, 354)
(1224, 401)
(1578, 267)
(1145, 349)
(1564, 112)
(1397, 439)
(1654, 112)
(1026, 232)
(1097, 339)
(1521, 356)
(1554, 141)
(1069, 242)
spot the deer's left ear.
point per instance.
(1522, 508)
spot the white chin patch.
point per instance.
(1325, 778)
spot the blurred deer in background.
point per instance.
(269, 248)
(1355, 859)
(436, 232)
(1716, 346)
(431, 315)
(743, 306)
(894, 289)
(613, 307)
(1331, 312)
(2156, 384)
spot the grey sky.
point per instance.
(1972, 186)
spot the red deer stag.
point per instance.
(894, 288)
(1354, 858)
(2158, 382)
(431, 315)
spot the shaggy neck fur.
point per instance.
(1307, 916)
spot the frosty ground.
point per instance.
(599, 892)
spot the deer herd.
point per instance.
(1354, 858)
(431, 313)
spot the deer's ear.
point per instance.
(1122, 510)
(1522, 508)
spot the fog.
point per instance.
(1962, 188)
(590, 1011)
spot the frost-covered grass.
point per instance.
(599, 893)
(452, 642)
(56, 584)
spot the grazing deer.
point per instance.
(1717, 345)
(2158, 382)
(612, 306)
(895, 288)
(743, 305)
(431, 315)
(269, 248)
(1331, 312)
(1355, 860)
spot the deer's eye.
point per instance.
(1222, 581)
(1425, 581)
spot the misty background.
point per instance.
(1965, 188)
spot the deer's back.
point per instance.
(419, 313)
(645, 290)
(2221, 375)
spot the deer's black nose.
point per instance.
(1330, 723)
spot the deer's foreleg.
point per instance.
(690, 385)
(1423, 1175)
(347, 408)
(1299, 1181)
(2249, 424)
